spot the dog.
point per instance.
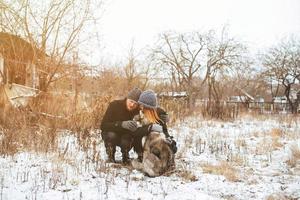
(158, 156)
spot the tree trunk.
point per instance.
(292, 105)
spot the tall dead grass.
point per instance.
(220, 111)
(223, 168)
(276, 132)
(37, 126)
(176, 108)
(294, 156)
(19, 132)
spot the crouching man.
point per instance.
(117, 125)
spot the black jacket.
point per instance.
(115, 114)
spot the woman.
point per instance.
(154, 119)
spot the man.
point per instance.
(118, 126)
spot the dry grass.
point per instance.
(276, 144)
(238, 159)
(295, 156)
(36, 138)
(69, 112)
(36, 126)
(257, 134)
(223, 168)
(263, 146)
(267, 145)
(279, 196)
(240, 143)
(187, 175)
(184, 170)
(276, 132)
(270, 141)
(177, 109)
(220, 111)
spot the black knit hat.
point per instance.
(134, 94)
(148, 99)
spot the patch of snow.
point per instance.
(247, 144)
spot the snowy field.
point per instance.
(249, 158)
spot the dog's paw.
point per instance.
(137, 165)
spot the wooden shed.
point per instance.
(19, 76)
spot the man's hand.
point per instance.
(130, 125)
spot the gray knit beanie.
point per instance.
(148, 99)
(134, 94)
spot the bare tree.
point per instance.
(182, 54)
(136, 70)
(186, 55)
(55, 27)
(224, 55)
(130, 68)
(282, 66)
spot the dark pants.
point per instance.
(125, 141)
(137, 145)
(113, 139)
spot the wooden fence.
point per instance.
(260, 107)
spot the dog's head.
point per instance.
(141, 119)
(158, 156)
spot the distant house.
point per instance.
(239, 99)
(172, 95)
(18, 59)
(19, 75)
(294, 97)
(280, 99)
(259, 99)
(248, 100)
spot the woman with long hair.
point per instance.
(154, 119)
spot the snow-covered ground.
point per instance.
(248, 158)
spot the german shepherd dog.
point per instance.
(158, 157)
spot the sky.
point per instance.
(258, 23)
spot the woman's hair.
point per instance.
(151, 115)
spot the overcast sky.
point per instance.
(259, 23)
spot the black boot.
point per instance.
(110, 150)
(138, 148)
(140, 157)
(125, 157)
